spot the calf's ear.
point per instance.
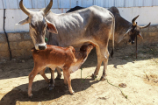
(23, 22)
(51, 28)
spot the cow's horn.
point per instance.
(23, 8)
(141, 27)
(46, 10)
(133, 20)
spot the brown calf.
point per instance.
(65, 58)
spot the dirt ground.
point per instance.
(129, 82)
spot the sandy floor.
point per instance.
(138, 80)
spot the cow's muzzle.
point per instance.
(131, 42)
(40, 46)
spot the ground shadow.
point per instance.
(44, 94)
(121, 57)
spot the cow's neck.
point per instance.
(121, 27)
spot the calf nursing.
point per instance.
(65, 58)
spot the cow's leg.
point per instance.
(105, 54)
(52, 81)
(44, 76)
(31, 77)
(99, 62)
(58, 73)
(68, 79)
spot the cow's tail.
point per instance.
(113, 32)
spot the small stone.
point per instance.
(13, 60)
(122, 85)
(23, 61)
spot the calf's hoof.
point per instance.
(30, 95)
(72, 92)
(102, 79)
(94, 76)
(51, 86)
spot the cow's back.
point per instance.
(80, 26)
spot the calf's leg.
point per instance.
(31, 77)
(58, 73)
(65, 80)
(68, 79)
(52, 81)
(44, 76)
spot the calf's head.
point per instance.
(86, 49)
(38, 25)
(135, 30)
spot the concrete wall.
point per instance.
(13, 16)
(21, 43)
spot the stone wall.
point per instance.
(20, 46)
(150, 37)
(21, 43)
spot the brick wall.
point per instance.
(21, 43)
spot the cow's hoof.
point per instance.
(51, 86)
(30, 95)
(94, 76)
(102, 79)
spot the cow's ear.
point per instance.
(51, 28)
(127, 31)
(140, 35)
(25, 21)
